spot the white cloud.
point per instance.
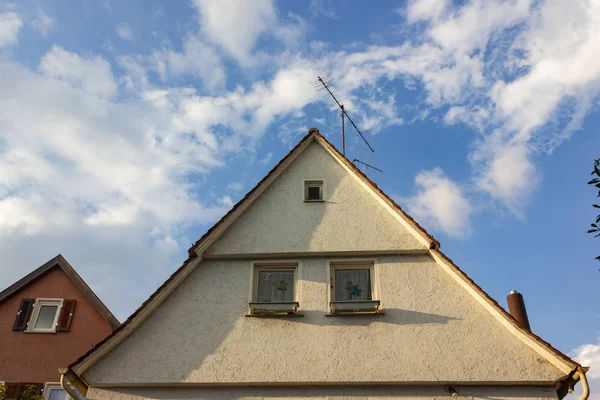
(513, 71)
(197, 59)
(125, 33)
(93, 75)
(509, 176)
(324, 8)
(101, 180)
(423, 10)
(236, 26)
(588, 355)
(440, 202)
(10, 25)
(43, 23)
(235, 187)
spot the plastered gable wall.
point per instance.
(432, 331)
(349, 219)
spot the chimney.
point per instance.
(516, 307)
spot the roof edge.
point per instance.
(536, 343)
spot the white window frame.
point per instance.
(306, 183)
(353, 264)
(36, 313)
(48, 386)
(272, 266)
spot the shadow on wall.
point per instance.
(392, 316)
(326, 392)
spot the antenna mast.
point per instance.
(343, 113)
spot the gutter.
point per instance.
(584, 384)
(73, 384)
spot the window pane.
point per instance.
(57, 394)
(314, 193)
(275, 286)
(46, 317)
(352, 284)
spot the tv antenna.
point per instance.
(324, 83)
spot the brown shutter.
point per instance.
(66, 315)
(12, 390)
(23, 315)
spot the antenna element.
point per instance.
(343, 113)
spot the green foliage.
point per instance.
(27, 394)
(596, 182)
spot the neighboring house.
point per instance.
(317, 285)
(47, 319)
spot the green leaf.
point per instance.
(595, 205)
(597, 258)
(592, 230)
(594, 225)
(595, 180)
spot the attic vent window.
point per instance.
(313, 190)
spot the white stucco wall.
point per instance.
(432, 332)
(349, 219)
(326, 393)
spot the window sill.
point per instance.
(357, 313)
(294, 315)
(39, 331)
(314, 201)
(355, 307)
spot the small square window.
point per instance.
(313, 191)
(45, 315)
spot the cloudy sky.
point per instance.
(128, 128)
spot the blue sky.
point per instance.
(128, 128)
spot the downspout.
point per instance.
(67, 388)
(67, 384)
(585, 386)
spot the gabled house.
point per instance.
(48, 318)
(317, 285)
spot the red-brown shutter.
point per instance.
(12, 390)
(23, 315)
(66, 315)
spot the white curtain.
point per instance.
(275, 286)
(352, 284)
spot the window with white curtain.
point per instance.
(274, 283)
(352, 282)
